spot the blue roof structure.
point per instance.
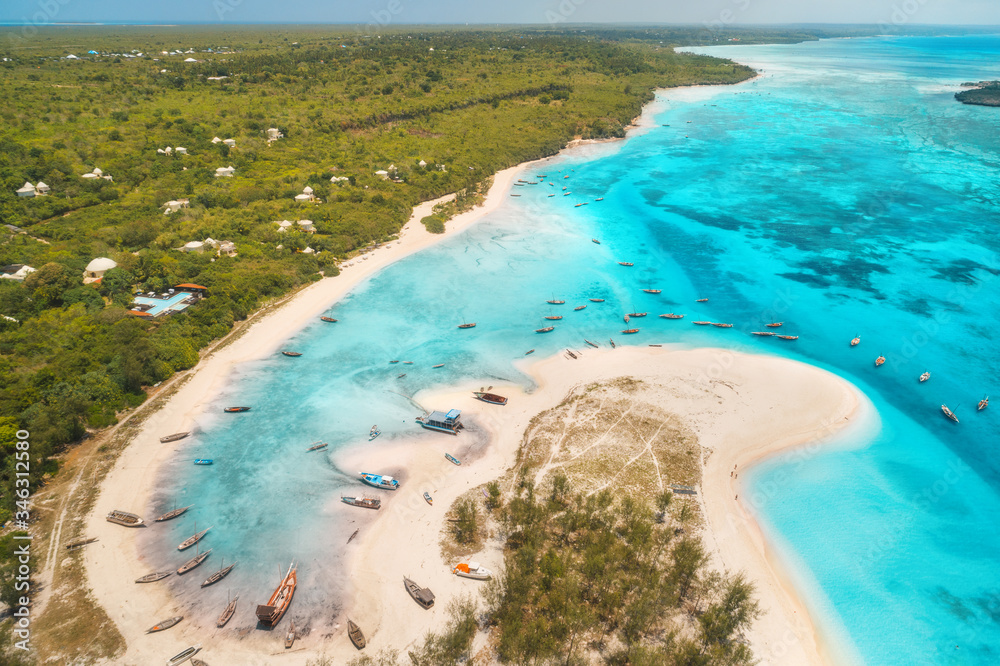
(160, 306)
(453, 414)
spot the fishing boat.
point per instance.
(594, 240)
(428, 498)
(373, 433)
(596, 300)
(193, 562)
(469, 325)
(166, 624)
(702, 323)
(439, 365)
(856, 341)
(193, 539)
(491, 398)
(473, 570)
(566, 194)
(233, 410)
(720, 325)
(197, 662)
(775, 324)
(354, 633)
(203, 461)
(629, 331)
(879, 361)
(625, 263)
(983, 404)
(530, 351)
(671, 315)
(592, 344)
(291, 353)
(219, 575)
(379, 481)
(153, 577)
(701, 300)
(449, 422)
(950, 414)
(452, 459)
(363, 502)
(317, 446)
(925, 376)
(579, 307)
(579, 204)
(653, 291)
(124, 518)
(625, 318)
(400, 376)
(329, 319)
(271, 612)
(391, 362)
(762, 333)
(353, 536)
(787, 337)
(80, 543)
(612, 341)
(227, 613)
(290, 636)
(183, 655)
(553, 317)
(551, 195)
(637, 314)
(421, 595)
(599, 199)
(555, 302)
(173, 513)
(174, 437)
(545, 330)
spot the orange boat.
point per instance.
(594, 240)
(701, 300)
(774, 324)
(652, 291)
(856, 341)
(271, 612)
(630, 330)
(625, 263)
(984, 403)
(554, 317)
(879, 361)
(671, 315)
(788, 337)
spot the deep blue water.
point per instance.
(844, 193)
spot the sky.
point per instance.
(401, 12)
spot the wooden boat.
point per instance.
(353, 536)
(599, 199)
(166, 624)
(629, 331)
(227, 613)
(363, 502)
(566, 194)
(530, 351)
(271, 612)
(290, 636)
(515, 195)
(429, 499)
(379, 481)
(655, 345)
(452, 459)
(774, 324)
(203, 461)
(571, 354)
(471, 325)
(400, 376)
(555, 302)
(579, 204)
(354, 633)
(193, 562)
(439, 365)
(701, 300)
(153, 577)
(491, 398)
(183, 655)
(551, 195)
(173, 513)
(983, 404)
(373, 433)
(233, 410)
(702, 323)
(472, 570)
(762, 333)
(174, 437)
(625, 318)
(553, 317)
(197, 662)
(856, 341)
(291, 353)
(80, 543)
(653, 291)
(545, 330)
(193, 539)
(596, 300)
(625, 263)
(925, 376)
(787, 337)
(612, 341)
(637, 314)
(329, 319)
(391, 362)
(879, 361)
(722, 325)
(594, 240)
(124, 518)
(671, 315)
(218, 575)
(317, 446)
(592, 344)
(422, 595)
(579, 307)
(950, 414)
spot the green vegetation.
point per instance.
(985, 93)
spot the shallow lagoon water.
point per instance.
(844, 193)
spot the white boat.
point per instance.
(183, 655)
(472, 570)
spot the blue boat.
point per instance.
(202, 461)
(453, 459)
(373, 433)
(449, 422)
(379, 481)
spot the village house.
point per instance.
(283, 225)
(228, 248)
(307, 226)
(307, 195)
(230, 142)
(41, 189)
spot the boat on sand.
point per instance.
(193, 539)
(354, 633)
(379, 481)
(472, 570)
(166, 624)
(491, 398)
(271, 612)
(124, 518)
(153, 577)
(174, 437)
(363, 502)
(218, 575)
(183, 655)
(422, 595)
(193, 562)
(227, 613)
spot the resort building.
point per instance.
(421, 163)
(179, 298)
(284, 225)
(26, 190)
(216, 140)
(230, 142)
(225, 172)
(340, 179)
(194, 246)
(307, 195)
(42, 188)
(227, 248)
(15, 271)
(273, 134)
(181, 151)
(97, 268)
(175, 205)
(382, 173)
(307, 226)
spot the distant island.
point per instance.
(984, 93)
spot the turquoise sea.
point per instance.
(845, 193)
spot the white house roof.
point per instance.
(194, 245)
(101, 264)
(305, 223)
(89, 175)
(302, 197)
(307, 190)
(27, 187)
(41, 185)
(97, 171)
(381, 172)
(190, 60)
(216, 140)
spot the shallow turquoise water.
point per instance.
(845, 193)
